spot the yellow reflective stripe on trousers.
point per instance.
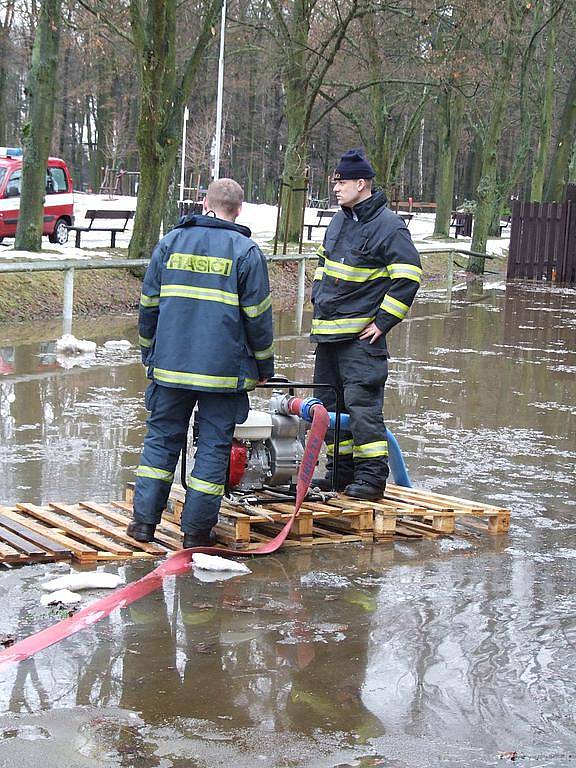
(321, 252)
(258, 309)
(344, 448)
(196, 379)
(410, 271)
(154, 473)
(394, 307)
(144, 342)
(203, 486)
(264, 354)
(371, 450)
(194, 292)
(345, 325)
(353, 274)
(149, 301)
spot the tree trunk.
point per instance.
(450, 115)
(37, 133)
(487, 187)
(546, 118)
(64, 123)
(559, 170)
(5, 30)
(155, 172)
(163, 95)
(294, 172)
(297, 112)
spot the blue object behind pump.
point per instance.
(395, 458)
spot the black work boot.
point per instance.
(206, 538)
(361, 490)
(141, 531)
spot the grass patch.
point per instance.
(40, 295)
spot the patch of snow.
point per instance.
(64, 596)
(70, 345)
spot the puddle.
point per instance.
(458, 651)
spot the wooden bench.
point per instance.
(406, 217)
(413, 206)
(462, 223)
(105, 215)
(323, 214)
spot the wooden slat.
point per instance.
(119, 533)
(36, 538)
(425, 530)
(20, 544)
(406, 533)
(451, 502)
(10, 555)
(171, 540)
(81, 551)
(70, 528)
(92, 524)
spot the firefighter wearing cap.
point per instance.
(205, 327)
(367, 277)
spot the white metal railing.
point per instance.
(69, 266)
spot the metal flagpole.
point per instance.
(220, 93)
(186, 116)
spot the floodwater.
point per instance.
(453, 652)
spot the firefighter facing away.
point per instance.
(205, 327)
(367, 277)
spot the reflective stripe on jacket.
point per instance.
(205, 318)
(368, 271)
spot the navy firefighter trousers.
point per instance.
(359, 371)
(167, 428)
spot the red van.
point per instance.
(58, 203)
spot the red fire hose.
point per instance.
(174, 565)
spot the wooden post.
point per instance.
(567, 265)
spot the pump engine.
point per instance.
(267, 448)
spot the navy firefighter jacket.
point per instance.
(205, 318)
(368, 271)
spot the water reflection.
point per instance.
(425, 653)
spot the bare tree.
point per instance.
(41, 93)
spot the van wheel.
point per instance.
(60, 233)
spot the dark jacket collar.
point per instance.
(368, 208)
(196, 220)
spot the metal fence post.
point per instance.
(300, 293)
(68, 301)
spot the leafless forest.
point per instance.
(453, 102)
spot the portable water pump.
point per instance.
(267, 448)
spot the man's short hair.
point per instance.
(225, 195)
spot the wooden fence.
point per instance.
(543, 240)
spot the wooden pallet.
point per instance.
(90, 531)
(87, 532)
(406, 513)
(443, 512)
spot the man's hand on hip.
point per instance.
(371, 332)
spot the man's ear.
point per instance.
(205, 205)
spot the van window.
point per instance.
(56, 181)
(13, 186)
(2, 174)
